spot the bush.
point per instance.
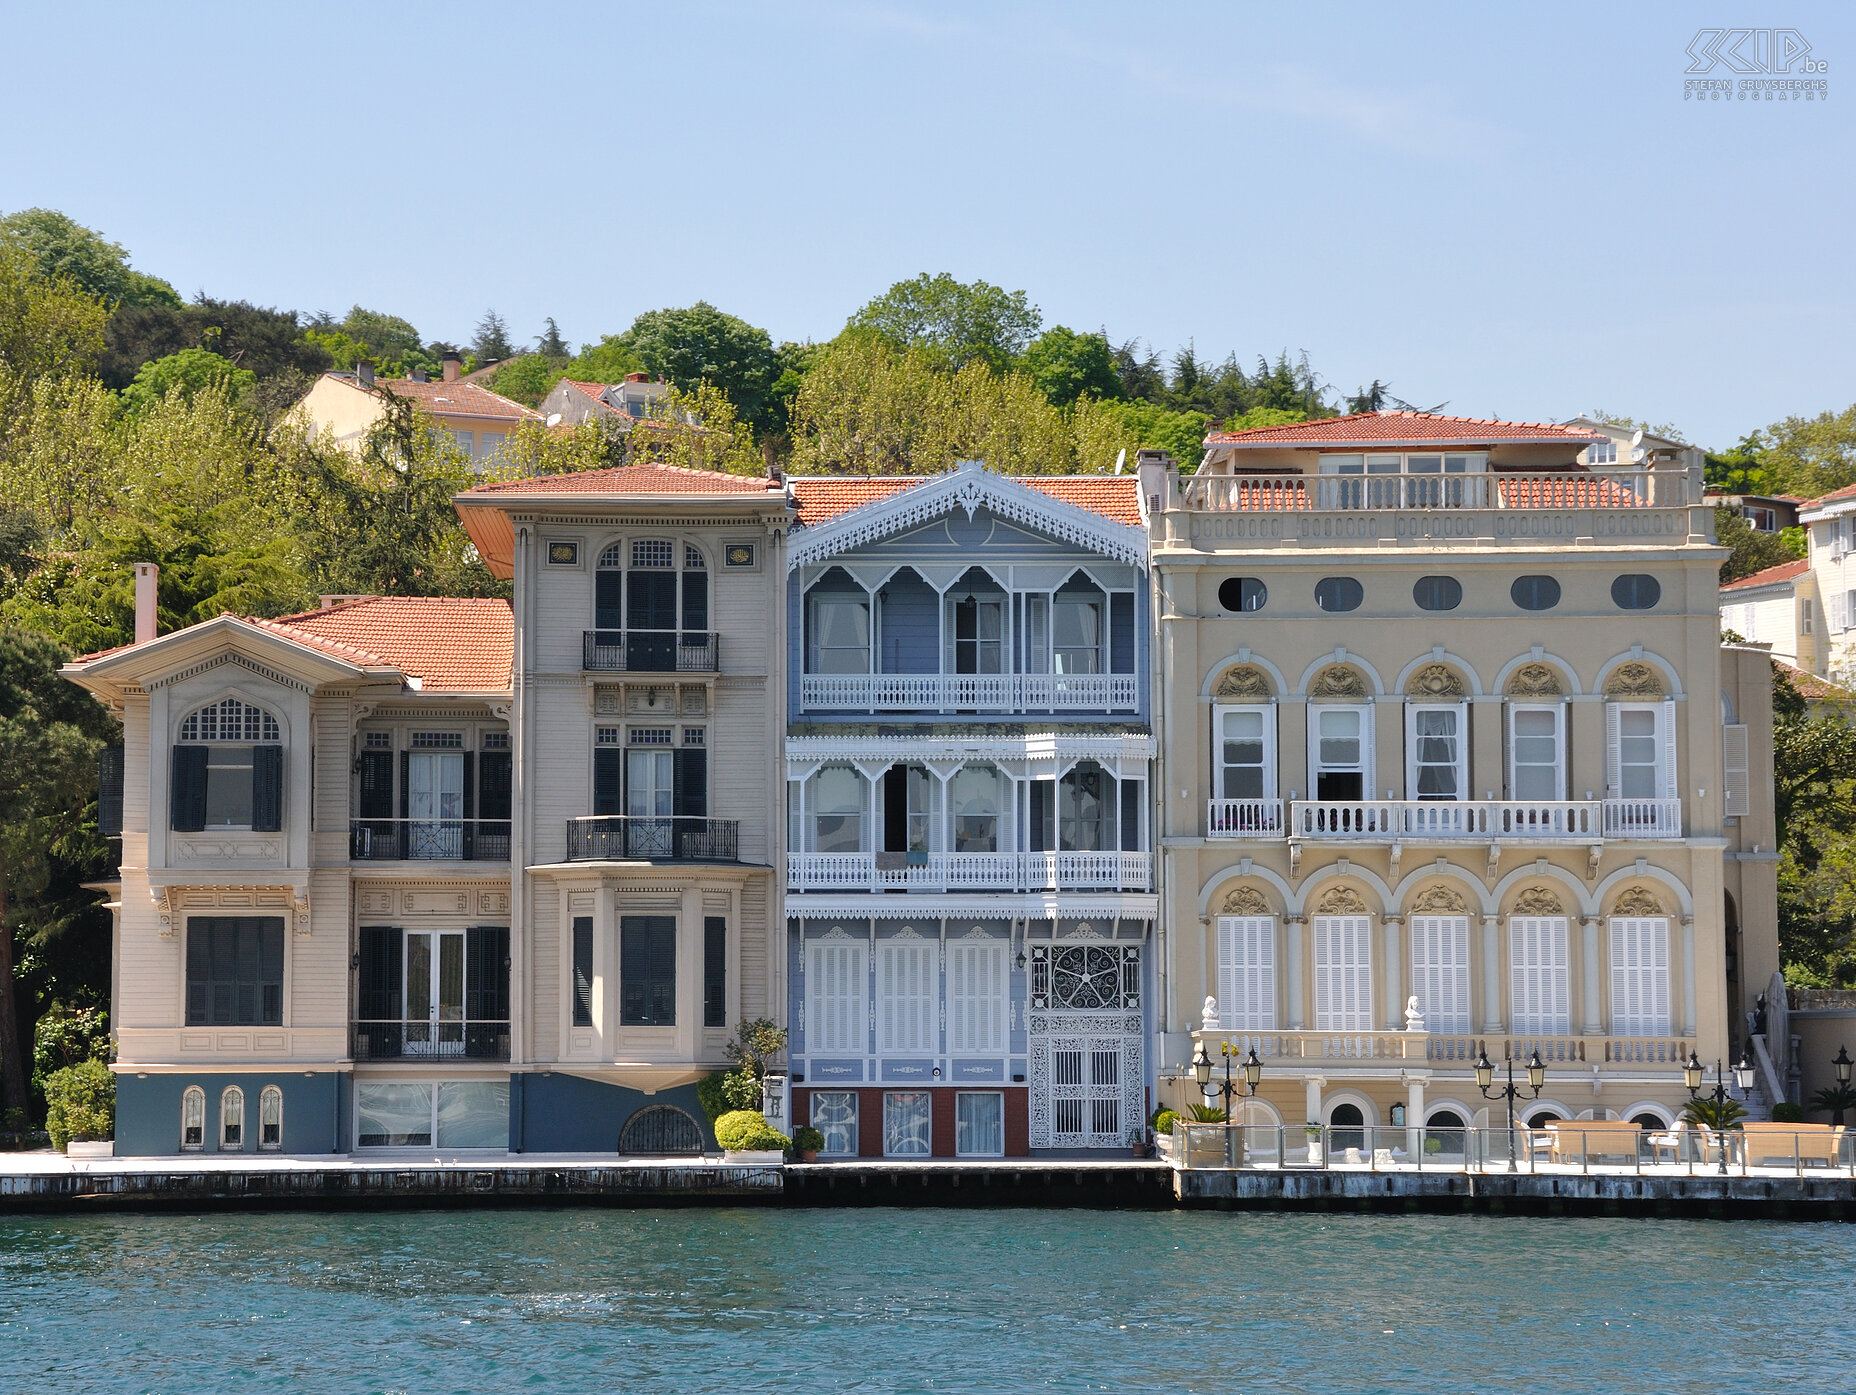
(807, 1139)
(80, 1102)
(66, 1035)
(1785, 1112)
(744, 1131)
(1163, 1121)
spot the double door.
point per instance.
(435, 804)
(434, 982)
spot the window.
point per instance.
(1436, 752)
(1397, 480)
(1640, 976)
(1536, 745)
(838, 795)
(235, 971)
(228, 770)
(583, 971)
(714, 971)
(976, 996)
(1242, 594)
(979, 632)
(979, 1124)
(192, 1119)
(1340, 754)
(270, 1119)
(1343, 973)
(693, 558)
(1338, 593)
(232, 1120)
(1086, 810)
(837, 986)
(1247, 972)
(1804, 616)
(908, 801)
(973, 797)
(906, 1124)
(1440, 970)
(837, 626)
(1641, 757)
(1437, 593)
(908, 995)
(1076, 628)
(1736, 771)
(1602, 453)
(1636, 591)
(393, 1114)
(1535, 592)
(1246, 752)
(647, 971)
(457, 1113)
(834, 1114)
(1540, 984)
(467, 441)
(653, 552)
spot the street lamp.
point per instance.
(1692, 1074)
(1228, 1088)
(1843, 1063)
(1485, 1075)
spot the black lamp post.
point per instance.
(1843, 1063)
(1228, 1088)
(1743, 1077)
(1485, 1074)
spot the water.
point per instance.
(764, 1300)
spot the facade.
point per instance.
(1452, 760)
(1766, 608)
(1829, 585)
(345, 406)
(614, 404)
(969, 893)
(1769, 513)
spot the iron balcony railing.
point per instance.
(650, 651)
(1517, 489)
(428, 840)
(955, 871)
(969, 692)
(631, 838)
(426, 1039)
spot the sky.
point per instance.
(1511, 210)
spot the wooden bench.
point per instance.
(1768, 1144)
(1584, 1139)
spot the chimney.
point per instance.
(419, 375)
(637, 377)
(454, 365)
(146, 625)
(776, 477)
(364, 374)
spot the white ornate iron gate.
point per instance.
(1085, 1028)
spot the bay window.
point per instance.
(228, 765)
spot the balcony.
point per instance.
(1243, 818)
(1643, 818)
(649, 651)
(625, 838)
(942, 871)
(1477, 820)
(969, 692)
(428, 840)
(1455, 1051)
(422, 1039)
(1581, 489)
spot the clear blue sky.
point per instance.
(1512, 209)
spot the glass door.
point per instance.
(434, 992)
(435, 804)
(650, 785)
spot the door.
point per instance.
(978, 631)
(651, 621)
(1088, 1082)
(434, 992)
(435, 804)
(650, 794)
(1086, 1103)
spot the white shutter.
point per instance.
(976, 995)
(1247, 972)
(1440, 970)
(1668, 733)
(1343, 973)
(1836, 612)
(1540, 987)
(1369, 761)
(1613, 778)
(1640, 976)
(836, 979)
(1736, 783)
(907, 996)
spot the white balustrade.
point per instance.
(1576, 821)
(941, 871)
(969, 692)
(1559, 489)
(1243, 818)
(1643, 818)
(1455, 1049)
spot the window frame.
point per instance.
(1413, 767)
(1268, 767)
(832, 1128)
(232, 1120)
(1641, 976)
(1540, 975)
(193, 1116)
(891, 1132)
(820, 596)
(1343, 986)
(271, 943)
(1666, 766)
(1440, 971)
(1364, 767)
(1558, 712)
(1442, 582)
(1637, 586)
(270, 1102)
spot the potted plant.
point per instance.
(747, 1138)
(1312, 1132)
(1137, 1141)
(80, 1109)
(806, 1143)
(1164, 1119)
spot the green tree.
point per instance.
(1814, 805)
(608, 361)
(1752, 551)
(699, 344)
(1066, 365)
(48, 329)
(491, 344)
(1737, 471)
(65, 248)
(386, 342)
(1809, 456)
(528, 378)
(185, 372)
(551, 345)
(1134, 426)
(954, 323)
(267, 342)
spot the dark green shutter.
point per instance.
(109, 791)
(199, 970)
(187, 802)
(267, 788)
(608, 780)
(583, 971)
(690, 788)
(494, 786)
(486, 973)
(696, 601)
(405, 784)
(608, 611)
(379, 992)
(648, 971)
(376, 785)
(714, 972)
(470, 805)
(270, 937)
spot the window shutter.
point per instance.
(609, 780)
(1671, 790)
(187, 797)
(469, 840)
(1736, 777)
(696, 601)
(109, 791)
(691, 796)
(1343, 973)
(715, 971)
(836, 980)
(1640, 976)
(583, 971)
(1835, 612)
(1613, 780)
(377, 993)
(1369, 760)
(1440, 970)
(405, 784)
(608, 613)
(267, 788)
(376, 795)
(494, 785)
(1540, 976)
(486, 973)
(976, 997)
(907, 995)
(1247, 972)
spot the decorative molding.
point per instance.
(1535, 680)
(1634, 679)
(1242, 681)
(1537, 900)
(233, 657)
(969, 486)
(1341, 900)
(299, 911)
(1439, 899)
(1637, 900)
(1246, 900)
(164, 910)
(1436, 681)
(1339, 681)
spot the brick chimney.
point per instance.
(146, 622)
(364, 374)
(637, 377)
(454, 365)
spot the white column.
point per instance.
(1414, 1118)
(1395, 1000)
(1491, 974)
(1589, 952)
(1688, 976)
(1312, 1110)
(1293, 954)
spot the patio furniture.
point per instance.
(1770, 1144)
(1581, 1140)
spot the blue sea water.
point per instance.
(744, 1301)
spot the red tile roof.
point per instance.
(1836, 496)
(819, 498)
(1810, 687)
(460, 399)
(450, 643)
(627, 479)
(592, 390)
(1785, 571)
(1401, 428)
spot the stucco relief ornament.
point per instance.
(1537, 900)
(1638, 901)
(1337, 680)
(1439, 898)
(1435, 681)
(1634, 679)
(1246, 900)
(1342, 900)
(1535, 680)
(1242, 681)
(1209, 1015)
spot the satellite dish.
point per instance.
(1637, 453)
(1636, 438)
(1121, 458)
(554, 418)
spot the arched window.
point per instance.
(660, 1129)
(1346, 1127)
(1644, 1119)
(193, 1119)
(228, 769)
(230, 720)
(1444, 1134)
(641, 590)
(232, 1120)
(271, 1119)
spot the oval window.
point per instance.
(1438, 593)
(1338, 593)
(1535, 592)
(1241, 593)
(1636, 591)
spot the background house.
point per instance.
(343, 407)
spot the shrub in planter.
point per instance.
(80, 1102)
(1163, 1121)
(807, 1139)
(1785, 1112)
(744, 1131)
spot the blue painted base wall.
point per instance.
(565, 1114)
(316, 1111)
